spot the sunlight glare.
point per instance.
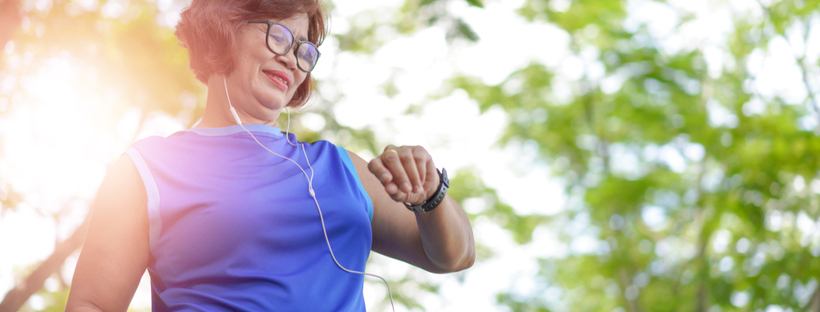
(54, 143)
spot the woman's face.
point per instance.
(262, 82)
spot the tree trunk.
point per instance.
(18, 296)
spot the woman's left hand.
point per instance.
(407, 173)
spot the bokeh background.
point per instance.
(612, 155)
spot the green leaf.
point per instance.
(476, 3)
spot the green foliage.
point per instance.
(418, 14)
(467, 185)
(721, 205)
(54, 300)
(360, 39)
(140, 59)
(476, 3)
(729, 213)
(462, 30)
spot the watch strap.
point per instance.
(437, 197)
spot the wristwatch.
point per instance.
(433, 202)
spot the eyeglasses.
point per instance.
(280, 40)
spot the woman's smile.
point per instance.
(280, 79)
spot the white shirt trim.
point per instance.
(152, 192)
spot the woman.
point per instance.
(232, 215)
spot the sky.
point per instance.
(58, 160)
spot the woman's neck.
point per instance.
(217, 110)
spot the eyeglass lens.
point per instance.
(281, 41)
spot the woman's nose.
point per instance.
(288, 59)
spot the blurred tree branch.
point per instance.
(18, 295)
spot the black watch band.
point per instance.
(438, 197)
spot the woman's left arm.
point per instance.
(438, 241)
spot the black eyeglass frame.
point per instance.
(293, 37)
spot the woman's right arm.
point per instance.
(115, 253)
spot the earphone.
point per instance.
(310, 186)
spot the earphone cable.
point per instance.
(310, 189)
(287, 130)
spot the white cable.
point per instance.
(310, 189)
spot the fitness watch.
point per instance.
(433, 202)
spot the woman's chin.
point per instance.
(274, 103)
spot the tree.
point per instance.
(686, 136)
(692, 174)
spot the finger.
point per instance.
(408, 160)
(392, 189)
(389, 147)
(389, 187)
(421, 156)
(432, 179)
(392, 162)
(395, 193)
(376, 166)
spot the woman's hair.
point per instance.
(207, 29)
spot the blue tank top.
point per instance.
(234, 228)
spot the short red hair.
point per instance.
(207, 30)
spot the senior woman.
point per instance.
(234, 215)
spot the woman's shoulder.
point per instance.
(159, 141)
(323, 147)
(181, 144)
